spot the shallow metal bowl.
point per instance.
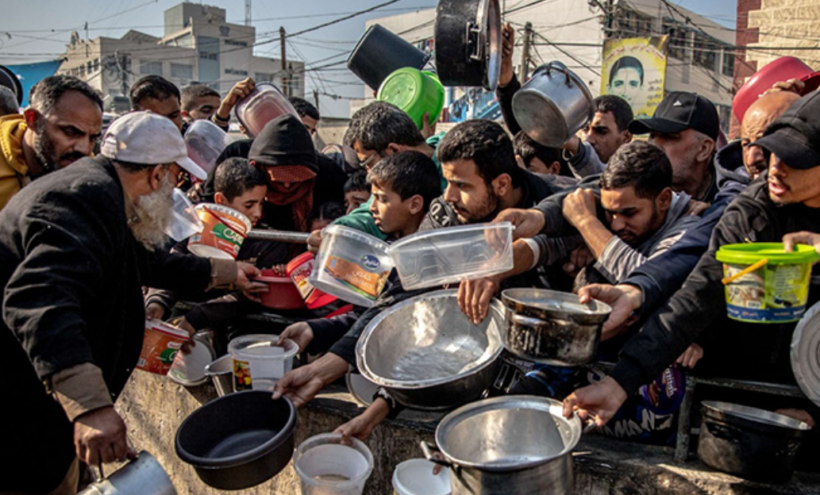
(427, 353)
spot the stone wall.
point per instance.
(786, 23)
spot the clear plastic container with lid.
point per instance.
(262, 105)
(452, 254)
(351, 265)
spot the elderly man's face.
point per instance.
(681, 148)
(760, 114)
(69, 132)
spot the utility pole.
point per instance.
(525, 53)
(248, 12)
(285, 81)
(121, 69)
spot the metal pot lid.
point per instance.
(360, 388)
(805, 354)
(489, 18)
(189, 369)
(541, 440)
(561, 304)
(753, 414)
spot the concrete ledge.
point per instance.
(153, 408)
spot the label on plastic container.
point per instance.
(773, 293)
(362, 276)
(160, 345)
(242, 375)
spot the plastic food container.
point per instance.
(262, 105)
(453, 254)
(281, 294)
(415, 92)
(185, 222)
(205, 142)
(259, 360)
(780, 69)
(777, 291)
(160, 345)
(299, 270)
(415, 477)
(351, 265)
(223, 233)
(325, 466)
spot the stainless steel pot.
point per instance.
(141, 476)
(517, 444)
(221, 373)
(753, 443)
(427, 353)
(553, 105)
(468, 43)
(552, 327)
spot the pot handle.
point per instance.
(433, 454)
(560, 67)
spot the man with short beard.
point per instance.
(76, 247)
(61, 126)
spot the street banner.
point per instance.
(635, 70)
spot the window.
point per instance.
(236, 72)
(182, 71)
(236, 43)
(263, 77)
(96, 64)
(728, 64)
(150, 68)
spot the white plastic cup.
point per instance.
(415, 477)
(327, 467)
(184, 221)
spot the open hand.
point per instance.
(597, 402)
(474, 297)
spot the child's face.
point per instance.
(248, 203)
(392, 215)
(354, 199)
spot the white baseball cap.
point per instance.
(150, 139)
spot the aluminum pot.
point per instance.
(552, 327)
(239, 440)
(141, 476)
(752, 443)
(221, 373)
(553, 105)
(517, 444)
(428, 355)
(468, 43)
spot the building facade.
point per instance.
(198, 45)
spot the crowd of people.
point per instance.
(635, 223)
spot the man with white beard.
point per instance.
(76, 246)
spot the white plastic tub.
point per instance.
(415, 477)
(327, 467)
(351, 265)
(452, 254)
(260, 360)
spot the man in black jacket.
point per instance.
(75, 249)
(787, 201)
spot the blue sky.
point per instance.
(37, 30)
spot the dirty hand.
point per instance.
(154, 311)
(474, 297)
(798, 414)
(696, 208)
(807, 238)
(300, 333)
(507, 48)
(427, 129)
(579, 206)
(598, 402)
(314, 241)
(791, 85)
(578, 259)
(623, 299)
(239, 91)
(526, 223)
(690, 356)
(100, 436)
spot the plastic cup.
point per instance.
(327, 467)
(184, 220)
(415, 477)
(224, 230)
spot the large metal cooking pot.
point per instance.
(380, 52)
(239, 440)
(553, 105)
(752, 443)
(428, 354)
(468, 43)
(552, 327)
(141, 476)
(517, 444)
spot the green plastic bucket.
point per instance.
(774, 293)
(415, 92)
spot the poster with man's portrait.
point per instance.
(635, 70)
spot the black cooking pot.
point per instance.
(9, 79)
(752, 443)
(468, 43)
(239, 440)
(380, 52)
